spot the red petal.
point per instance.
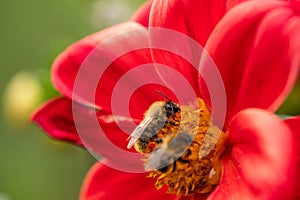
(109, 184)
(117, 64)
(98, 131)
(194, 18)
(142, 14)
(255, 48)
(258, 163)
(294, 124)
(77, 71)
(231, 3)
(55, 117)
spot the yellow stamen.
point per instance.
(198, 169)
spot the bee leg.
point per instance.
(172, 123)
(182, 160)
(187, 152)
(174, 166)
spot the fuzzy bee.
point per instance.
(160, 114)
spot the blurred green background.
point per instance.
(33, 33)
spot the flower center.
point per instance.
(185, 155)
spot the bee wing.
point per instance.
(159, 159)
(138, 131)
(166, 155)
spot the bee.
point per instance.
(159, 115)
(173, 150)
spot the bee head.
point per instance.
(171, 108)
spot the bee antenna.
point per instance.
(163, 94)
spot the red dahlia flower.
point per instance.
(254, 47)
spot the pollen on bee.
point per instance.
(198, 168)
